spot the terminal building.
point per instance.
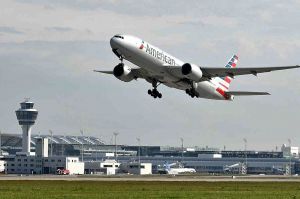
(29, 153)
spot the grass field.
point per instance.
(92, 189)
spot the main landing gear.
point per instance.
(191, 92)
(154, 92)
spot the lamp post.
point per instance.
(181, 149)
(290, 156)
(245, 150)
(139, 142)
(81, 132)
(139, 151)
(51, 143)
(115, 135)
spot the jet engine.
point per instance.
(192, 72)
(123, 72)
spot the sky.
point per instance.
(48, 50)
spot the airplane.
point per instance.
(170, 169)
(158, 67)
(232, 167)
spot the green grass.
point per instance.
(107, 190)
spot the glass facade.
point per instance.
(27, 105)
(26, 115)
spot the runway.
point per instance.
(162, 178)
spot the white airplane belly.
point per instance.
(208, 90)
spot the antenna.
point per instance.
(27, 99)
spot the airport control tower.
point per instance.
(26, 116)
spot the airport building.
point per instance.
(136, 168)
(21, 164)
(18, 158)
(108, 167)
(202, 160)
(29, 153)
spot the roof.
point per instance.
(15, 140)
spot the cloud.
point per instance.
(65, 24)
(59, 29)
(212, 20)
(9, 30)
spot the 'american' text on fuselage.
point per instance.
(160, 55)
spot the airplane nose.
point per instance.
(113, 43)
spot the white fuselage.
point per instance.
(175, 171)
(156, 63)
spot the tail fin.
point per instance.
(231, 64)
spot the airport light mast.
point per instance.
(26, 116)
(81, 132)
(181, 139)
(290, 156)
(116, 134)
(245, 149)
(51, 143)
(139, 142)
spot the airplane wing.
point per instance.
(106, 72)
(246, 93)
(222, 72)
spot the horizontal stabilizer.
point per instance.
(245, 93)
(106, 72)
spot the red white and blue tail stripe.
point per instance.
(231, 64)
(224, 82)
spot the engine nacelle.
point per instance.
(192, 72)
(123, 72)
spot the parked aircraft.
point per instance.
(174, 169)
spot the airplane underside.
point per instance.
(199, 90)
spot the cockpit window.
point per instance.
(118, 36)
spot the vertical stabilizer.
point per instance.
(232, 63)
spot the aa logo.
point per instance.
(142, 45)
